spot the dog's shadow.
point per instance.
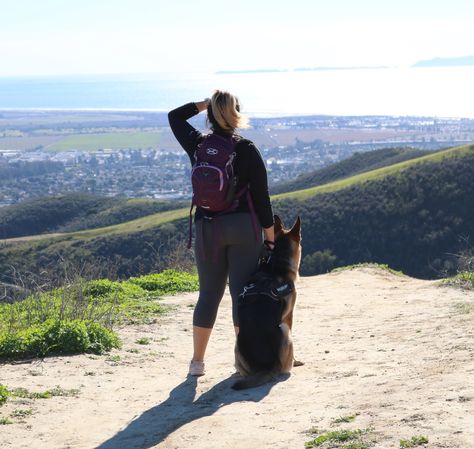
(180, 408)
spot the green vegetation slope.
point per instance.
(412, 215)
(357, 163)
(415, 216)
(73, 212)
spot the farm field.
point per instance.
(113, 140)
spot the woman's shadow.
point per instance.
(180, 408)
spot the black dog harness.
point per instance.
(264, 286)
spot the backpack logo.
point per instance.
(212, 151)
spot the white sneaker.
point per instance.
(196, 368)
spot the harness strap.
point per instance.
(253, 216)
(190, 238)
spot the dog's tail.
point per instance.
(255, 380)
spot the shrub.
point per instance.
(78, 317)
(101, 287)
(413, 442)
(58, 337)
(143, 341)
(318, 262)
(106, 288)
(101, 339)
(102, 301)
(4, 394)
(337, 436)
(167, 282)
(463, 280)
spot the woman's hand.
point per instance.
(202, 105)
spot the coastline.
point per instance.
(251, 114)
(443, 92)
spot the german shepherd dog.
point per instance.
(264, 346)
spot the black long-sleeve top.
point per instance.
(248, 163)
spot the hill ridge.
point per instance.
(379, 173)
(358, 162)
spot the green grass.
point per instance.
(143, 341)
(26, 394)
(4, 421)
(137, 225)
(384, 267)
(464, 280)
(56, 391)
(167, 282)
(376, 174)
(58, 337)
(5, 393)
(114, 140)
(346, 439)
(21, 413)
(102, 300)
(345, 419)
(413, 442)
(79, 318)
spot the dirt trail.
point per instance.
(396, 351)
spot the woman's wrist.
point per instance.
(202, 105)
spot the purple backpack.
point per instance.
(213, 180)
(212, 175)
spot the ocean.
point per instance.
(433, 91)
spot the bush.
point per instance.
(4, 394)
(318, 262)
(105, 287)
(167, 282)
(104, 301)
(101, 287)
(78, 317)
(464, 280)
(58, 337)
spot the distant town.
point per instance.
(50, 153)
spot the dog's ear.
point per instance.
(295, 231)
(278, 225)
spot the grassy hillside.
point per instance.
(415, 216)
(357, 163)
(380, 173)
(410, 215)
(73, 212)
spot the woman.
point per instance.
(235, 249)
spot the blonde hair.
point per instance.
(224, 112)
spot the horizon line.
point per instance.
(250, 114)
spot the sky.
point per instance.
(59, 37)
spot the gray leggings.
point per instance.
(225, 247)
